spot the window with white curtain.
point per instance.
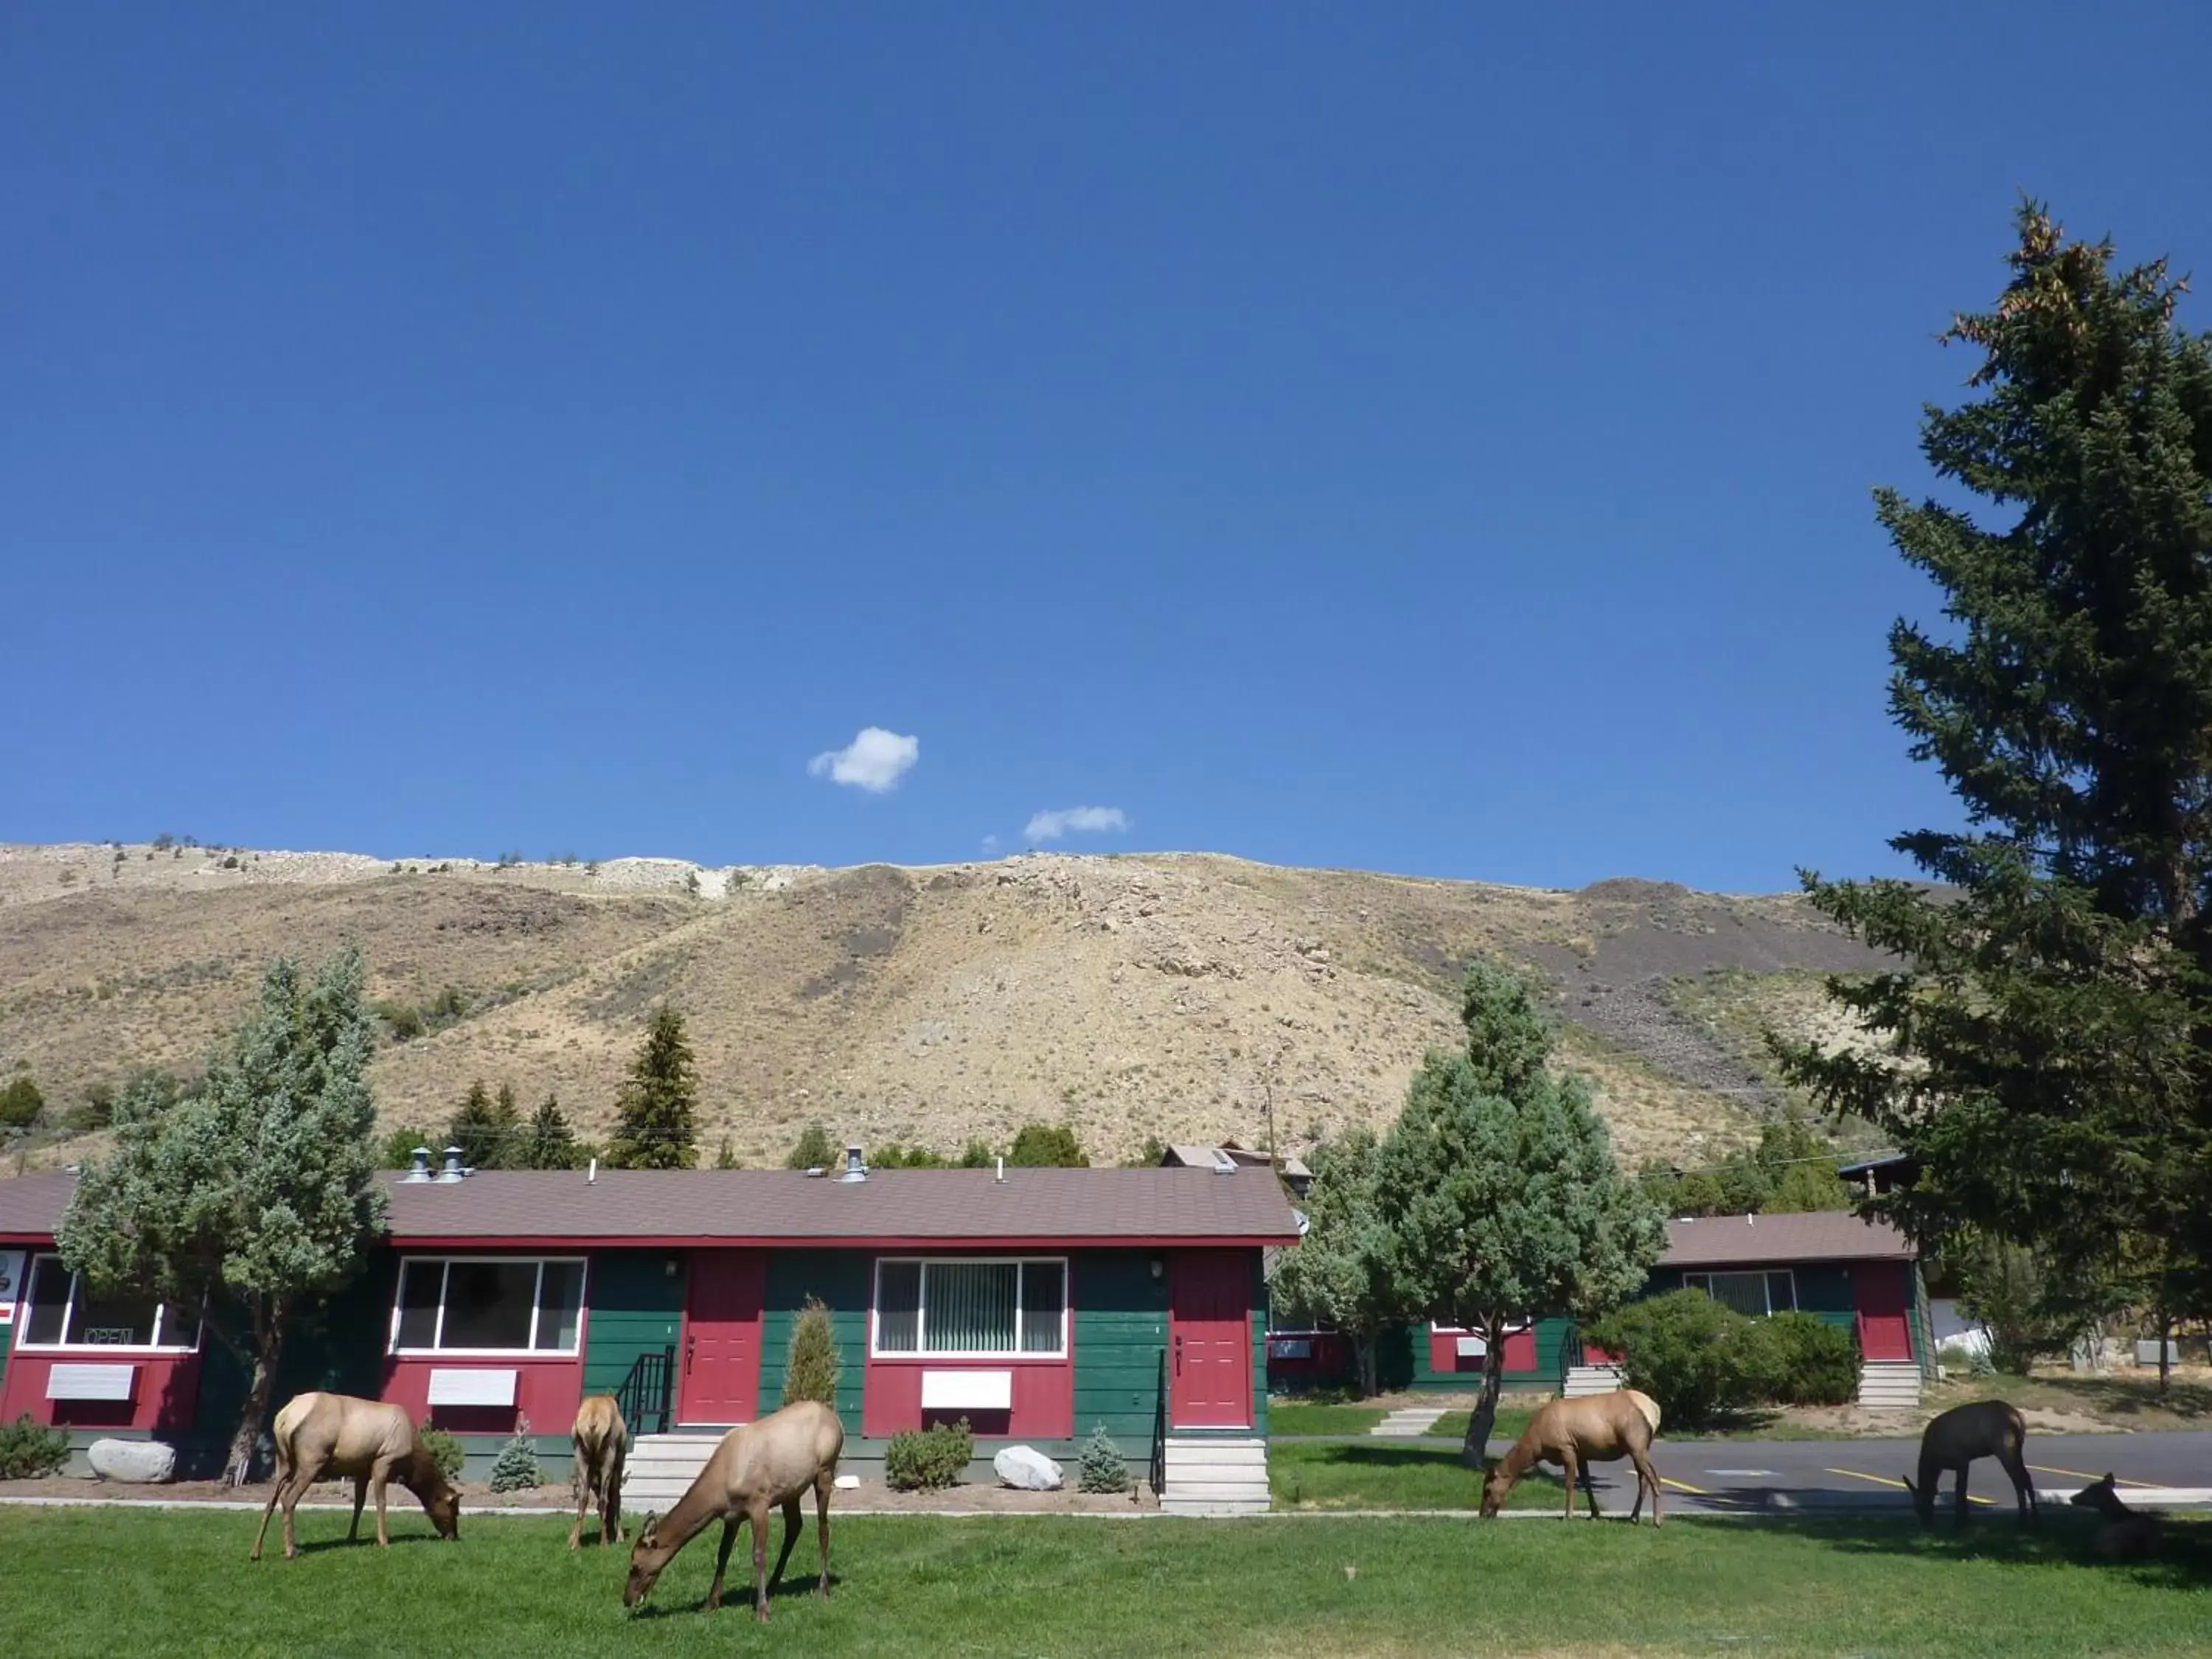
(488, 1305)
(980, 1308)
(1758, 1294)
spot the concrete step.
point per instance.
(1889, 1385)
(660, 1468)
(1218, 1454)
(1584, 1380)
(1215, 1506)
(1407, 1422)
(1215, 1477)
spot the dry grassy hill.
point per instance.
(1169, 994)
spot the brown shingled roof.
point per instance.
(934, 1206)
(1721, 1240)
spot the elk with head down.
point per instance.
(602, 1442)
(322, 1434)
(1596, 1429)
(766, 1466)
(1982, 1428)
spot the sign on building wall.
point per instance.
(13, 1265)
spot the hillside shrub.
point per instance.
(1699, 1360)
(927, 1460)
(1811, 1361)
(1046, 1147)
(815, 1150)
(21, 1102)
(445, 1449)
(810, 1370)
(29, 1450)
(516, 1467)
(1101, 1467)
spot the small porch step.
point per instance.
(1209, 1476)
(1889, 1385)
(660, 1468)
(1583, 1380)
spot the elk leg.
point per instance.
(360, 1495)
(581, 1480)
(2023, 1491)
(721, 1562)
(758, 1517)
(1646, 1476)
(823, 1483)
(1589, 1490)
(791, 1525)
(269, 1508)
(1573, 1468)
(303, 1478)
(610, 1485)
(1958, 1524)
(380, 1479)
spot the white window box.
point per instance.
(970, 1391)
(1470, 1347)
(91, 1382)
(475, 1386)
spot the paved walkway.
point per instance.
(1408, 1423)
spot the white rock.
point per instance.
(847, 1482)
(145, 1462)
(1028, 1468)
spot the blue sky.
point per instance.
(1419, 438)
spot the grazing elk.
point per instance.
(1595, 1429)
(602, 1442)
(1985, 1428)
(769, 1465)
(2125, 1536)
(322, 1434)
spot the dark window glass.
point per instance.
(898, 1308)
(50, 1289)
(488, 1304)
(560, 1298)
(1044, 1293)
(419, 1284)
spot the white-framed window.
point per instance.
(970, 1307)
(488, 1304)
(1771, 1290)
(62, 1311)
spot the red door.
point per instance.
(719, 1382)
(1210, 1339)
(1885, 1311)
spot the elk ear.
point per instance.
(645, 1530)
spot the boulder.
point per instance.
(1028, 1468)
(144, 1462)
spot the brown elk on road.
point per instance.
(768, 1464)
(321, 1435)
(602, 1442)
(1982, 1428)
(1596, 1429)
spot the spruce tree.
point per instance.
(550, 1142)
(1344, 1272)
(2049, 1028)
(252, 1196)
(486, 1130)
(816, 1149)
(811, 1366)
(659, 1103)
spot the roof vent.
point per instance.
(1222, 1163)
(815, 1172)
(856, 1168)
(421, 1169)
(452, 1171)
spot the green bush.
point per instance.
(445, 1449)
(1101, 1467)
(20, 1103)
(1699, 1360)
(1811, 1361)
(924, 1460)
(29, 1449)
(815, 1150)
(1046, 1147)
(516, 1467)
(810, 1370)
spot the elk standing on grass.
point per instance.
(756, 1469)
(2125, 1536)
(602, 1442)
(319, 1435)
(1985, 1428)
(1596, 1429)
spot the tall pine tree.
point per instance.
(549, 1141)
(659, 1103)
(2050, 1020)
(488, 1131)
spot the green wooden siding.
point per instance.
(845, 1282)
(636, 1307)
(1259, 1304)
(1121, 1330)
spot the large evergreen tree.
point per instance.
(1498, 1190)
(253, 1195)
(2047, 1027)
(488, 1132)
(549, 1142)
(658, 1103)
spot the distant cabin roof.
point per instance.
(1723, 1241)
(1206, 1158)
(1038, 1208)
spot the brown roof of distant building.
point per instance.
(1721, 1241)
(771, 1206)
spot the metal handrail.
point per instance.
(1571, 1354)
(1160, 1431)
(644, 1394)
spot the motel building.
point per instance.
(1036, 1303)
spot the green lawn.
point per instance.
(101, 1582)
(1386, 1475)
(1285, 1418)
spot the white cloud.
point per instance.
(874, 761)
(990, 843)
(1076, 820)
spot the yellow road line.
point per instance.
(1682, 1485)
(1884, 1480)
(2121, 1480)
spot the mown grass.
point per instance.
(101, 1582)
(1385, 1474)
(1287, 1417)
